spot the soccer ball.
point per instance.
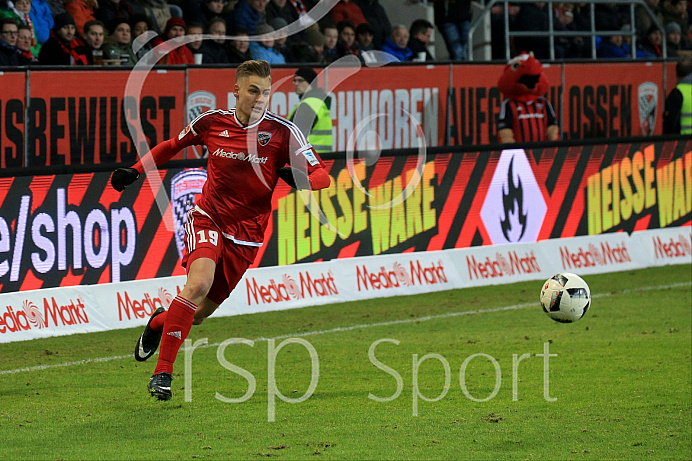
(565, 297)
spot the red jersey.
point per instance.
(241, 167)
(529, 121)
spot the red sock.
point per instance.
(157, 323)
(177, 325)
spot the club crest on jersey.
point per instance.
(263, 138)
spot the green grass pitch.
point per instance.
(617, 384)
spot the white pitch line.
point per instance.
(350, 328)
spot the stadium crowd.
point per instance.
(100, 32)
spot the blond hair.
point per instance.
(258, 67)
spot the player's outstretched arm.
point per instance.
(296, 178)
(123, 177)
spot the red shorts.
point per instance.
(203, 239)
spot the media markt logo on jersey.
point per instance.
(198, 103)
(647, 96)
(514, 206)
(184, 187)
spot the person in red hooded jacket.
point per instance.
(525, 115)
(175, 27)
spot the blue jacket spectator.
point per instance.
(396, 44)
(614, 48)
(42, 20)
(248, 13)
(265, 49)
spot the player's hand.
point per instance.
(294, 177)
(123, 177)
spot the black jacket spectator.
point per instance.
(109, 10)
(57, 51)
(10, 56)
(532, 18)
(213, 53)
(377, 17)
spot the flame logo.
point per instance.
(165, 297)
(600, 260)
(401, 274)
(504, 265)
(514, 194)
(33, 314)
(292, 287)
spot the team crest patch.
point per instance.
(263, 137)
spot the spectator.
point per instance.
(94, 33)
(24, 38)
(119, 47)
(311, 48)
(673, 39)
(280, 42)
(396, 44)
(42, 20)
(376, 16)
(109, 10)
(331, 39)
(312, 115)
(677, 118)
(82, 11)
(364, 37)
(213, 51)
(173, 53)
(204, 13)
(453, 18)
(533, 17)
(248, 14)
(627, 41)
(347, 10)
(347, 39)
(676, 11)
(20, 12)
(563, 21)
(420, 34)
(195, 30)
(56, 7)
(607, 16)
(280, 9)
(157, 10)
(62, 48)
(497, 29)
(613, 48)
(140, 24)
(264, 49)
(643, 20)
(10, 55)
(650, 45)
(239, 49)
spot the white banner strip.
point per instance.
(86, 308)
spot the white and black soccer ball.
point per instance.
(565, 297)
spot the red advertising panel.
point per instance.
(388, 107)
(383, 108)
(75, 229)
(475, 101)
(12, 119)
(85, 117)
(612, 100)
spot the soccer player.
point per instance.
(249, 148)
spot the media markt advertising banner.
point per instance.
(71, 230)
